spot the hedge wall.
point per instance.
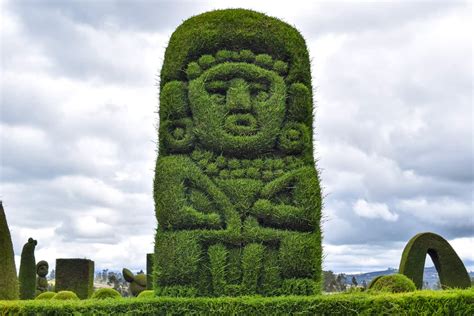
(76, 275)
(451, 302)
(237, 194)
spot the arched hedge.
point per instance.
(452, 272)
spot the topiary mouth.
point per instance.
(241, 124)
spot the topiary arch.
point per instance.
(452, 272)
(236, 191)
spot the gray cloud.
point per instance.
(393, 130)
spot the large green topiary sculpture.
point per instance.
(27, 274)
(452, 272)
(75, 275)
(8, 279)
(236, 191)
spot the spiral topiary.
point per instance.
(27, 275)
(8, 278)
(45, 296)
(65, 295)
(106, 293)
(394, 283)
(147, 294)
(237, 195)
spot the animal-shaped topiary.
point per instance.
(106, 293)
(137, 282)
(236, 191)
(27, 275)
(42, 269)
(394, 283)
(8, 279)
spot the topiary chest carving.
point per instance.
(237, 195)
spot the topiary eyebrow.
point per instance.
(220, 85)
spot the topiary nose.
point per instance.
(238, 96)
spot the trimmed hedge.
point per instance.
(65, 296)
(27, 273)
(236, 191)
(75, 275)
(451, 270)
(394, 283)
(45, 296)
(439, 303)
(8, 280)
(106, 293)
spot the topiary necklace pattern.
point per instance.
(236, 191)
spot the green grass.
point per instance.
(449, 302)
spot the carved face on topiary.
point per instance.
(238, 106)
(42, 268)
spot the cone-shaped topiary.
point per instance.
(147, 294)
(27, 275)
(45, 296)
(8, 279)
(65, 295)
(452, 272)
(106, 293)
(394, 283)
(237, 195)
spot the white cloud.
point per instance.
(440, 210)
(374, 210)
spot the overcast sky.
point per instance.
(393, 125)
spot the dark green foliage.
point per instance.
(65, 296)
(106, 293)
(149, 271)
(8, 279)
(435, 303)
(75, 275)
(45, 296)
(452, 272)
(236, 191)
(394, 283)
(27, 274)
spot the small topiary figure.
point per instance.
(65, 295)
(147, 294)
(8, 278)
(42, 269)
(236, 191)
(394, 283)
(137, 282)
(452, 272)
(45, 296)
(27, 275)
(106, 293)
